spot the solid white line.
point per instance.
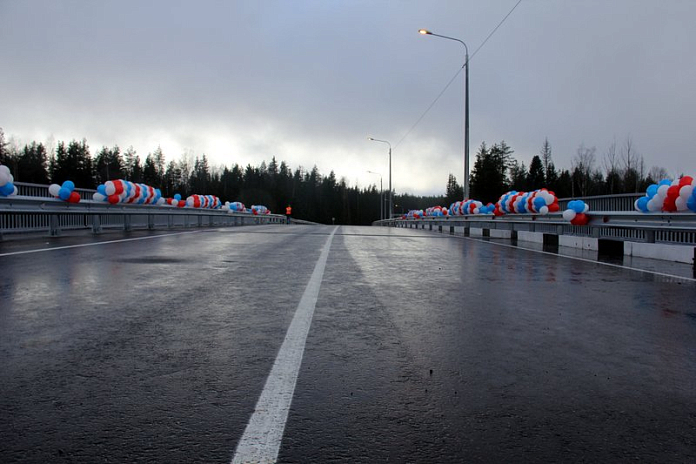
(40, 250)
(586, 260)
(264, 432)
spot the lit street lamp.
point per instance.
(391, 208)
(466, 108)
(381, 196)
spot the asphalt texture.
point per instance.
(423, 348)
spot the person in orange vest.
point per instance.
(288, 212)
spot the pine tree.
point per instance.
(536, 178)
(454, 191)
(31, 164)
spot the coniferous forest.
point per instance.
(324, 198)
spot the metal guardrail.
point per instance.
(19, 214)
(620, 202)
(677, 229)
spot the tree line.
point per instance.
(323, 198)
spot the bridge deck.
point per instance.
(422, 348)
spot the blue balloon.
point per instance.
(177, 197)
(579, 206)
(652, 190)
(691, 203)
(70, 185)
(64, 193)
(539, 202)
(102, 189)
(643, 204)
(7, 189)
(665, 182)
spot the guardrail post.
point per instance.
(170, 221)
(150, 221)
(127, 226)
(55, 225)
(96, 224)
(200, 221)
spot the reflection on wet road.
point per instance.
(422, 348)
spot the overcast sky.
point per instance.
(308, 81)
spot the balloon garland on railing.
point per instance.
(669, 196)
(541, 201)
(462, 208)
(234, 207)
(7, 187)
(203, 201)
(123, 191)
(575, 213)
(259, 209)
(65, 192)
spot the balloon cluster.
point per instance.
(540, 201)
(669, 196)
(123, 191)
(7, 187)
(234, 207)
(461, 208)
(436, 211)
(576, 213)
(204, 201)
(175, 201)
(259, 209)
(415, 214)
(65, 192)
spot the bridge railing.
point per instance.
(678, 228)
(20, 214)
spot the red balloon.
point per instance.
(113, 199)
(686, 180)
(670, 204)
(74, 197)
(182, 203)
(580, 219)
(118, 185)
(673, 192)
(553, 207)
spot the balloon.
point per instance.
(686, 180)
(652, 190)
(680, 204)
(669, 205)
(102, 189)
(579, 206)
(68, 184)
(642, 204)
(691, 204)
(662, 190)
(686, 191)
(554, 208)
(64, 193)
(177, 196)
(98, 196)
(673, 191)
(74, 197)
(113, 199)
(580, 220)
(54, 189)
(569, 214)
(544, 210)
(7, 190)
(109, 188)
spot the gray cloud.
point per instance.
(308, 81)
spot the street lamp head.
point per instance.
(370, 138)
(424, 31)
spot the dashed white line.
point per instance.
(261, 440)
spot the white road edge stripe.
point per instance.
(106, 242)
(261, 440)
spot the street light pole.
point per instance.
(381, 196)
(466, 108)
(391, 196)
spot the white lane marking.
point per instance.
(40, 250)
(264, 432)
(619, 266)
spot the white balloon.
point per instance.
(587, 208)
(98, 197)
(569, 214)
(4, 169)
(110, 188)
(675, 182)
(662, 191)
(655, 204)
(4, 178)
(15, 191)
(54, 189)
(544, 210)
(685, 192)
(681, 204)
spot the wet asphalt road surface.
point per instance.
(423, 348)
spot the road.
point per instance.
(422, 348)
